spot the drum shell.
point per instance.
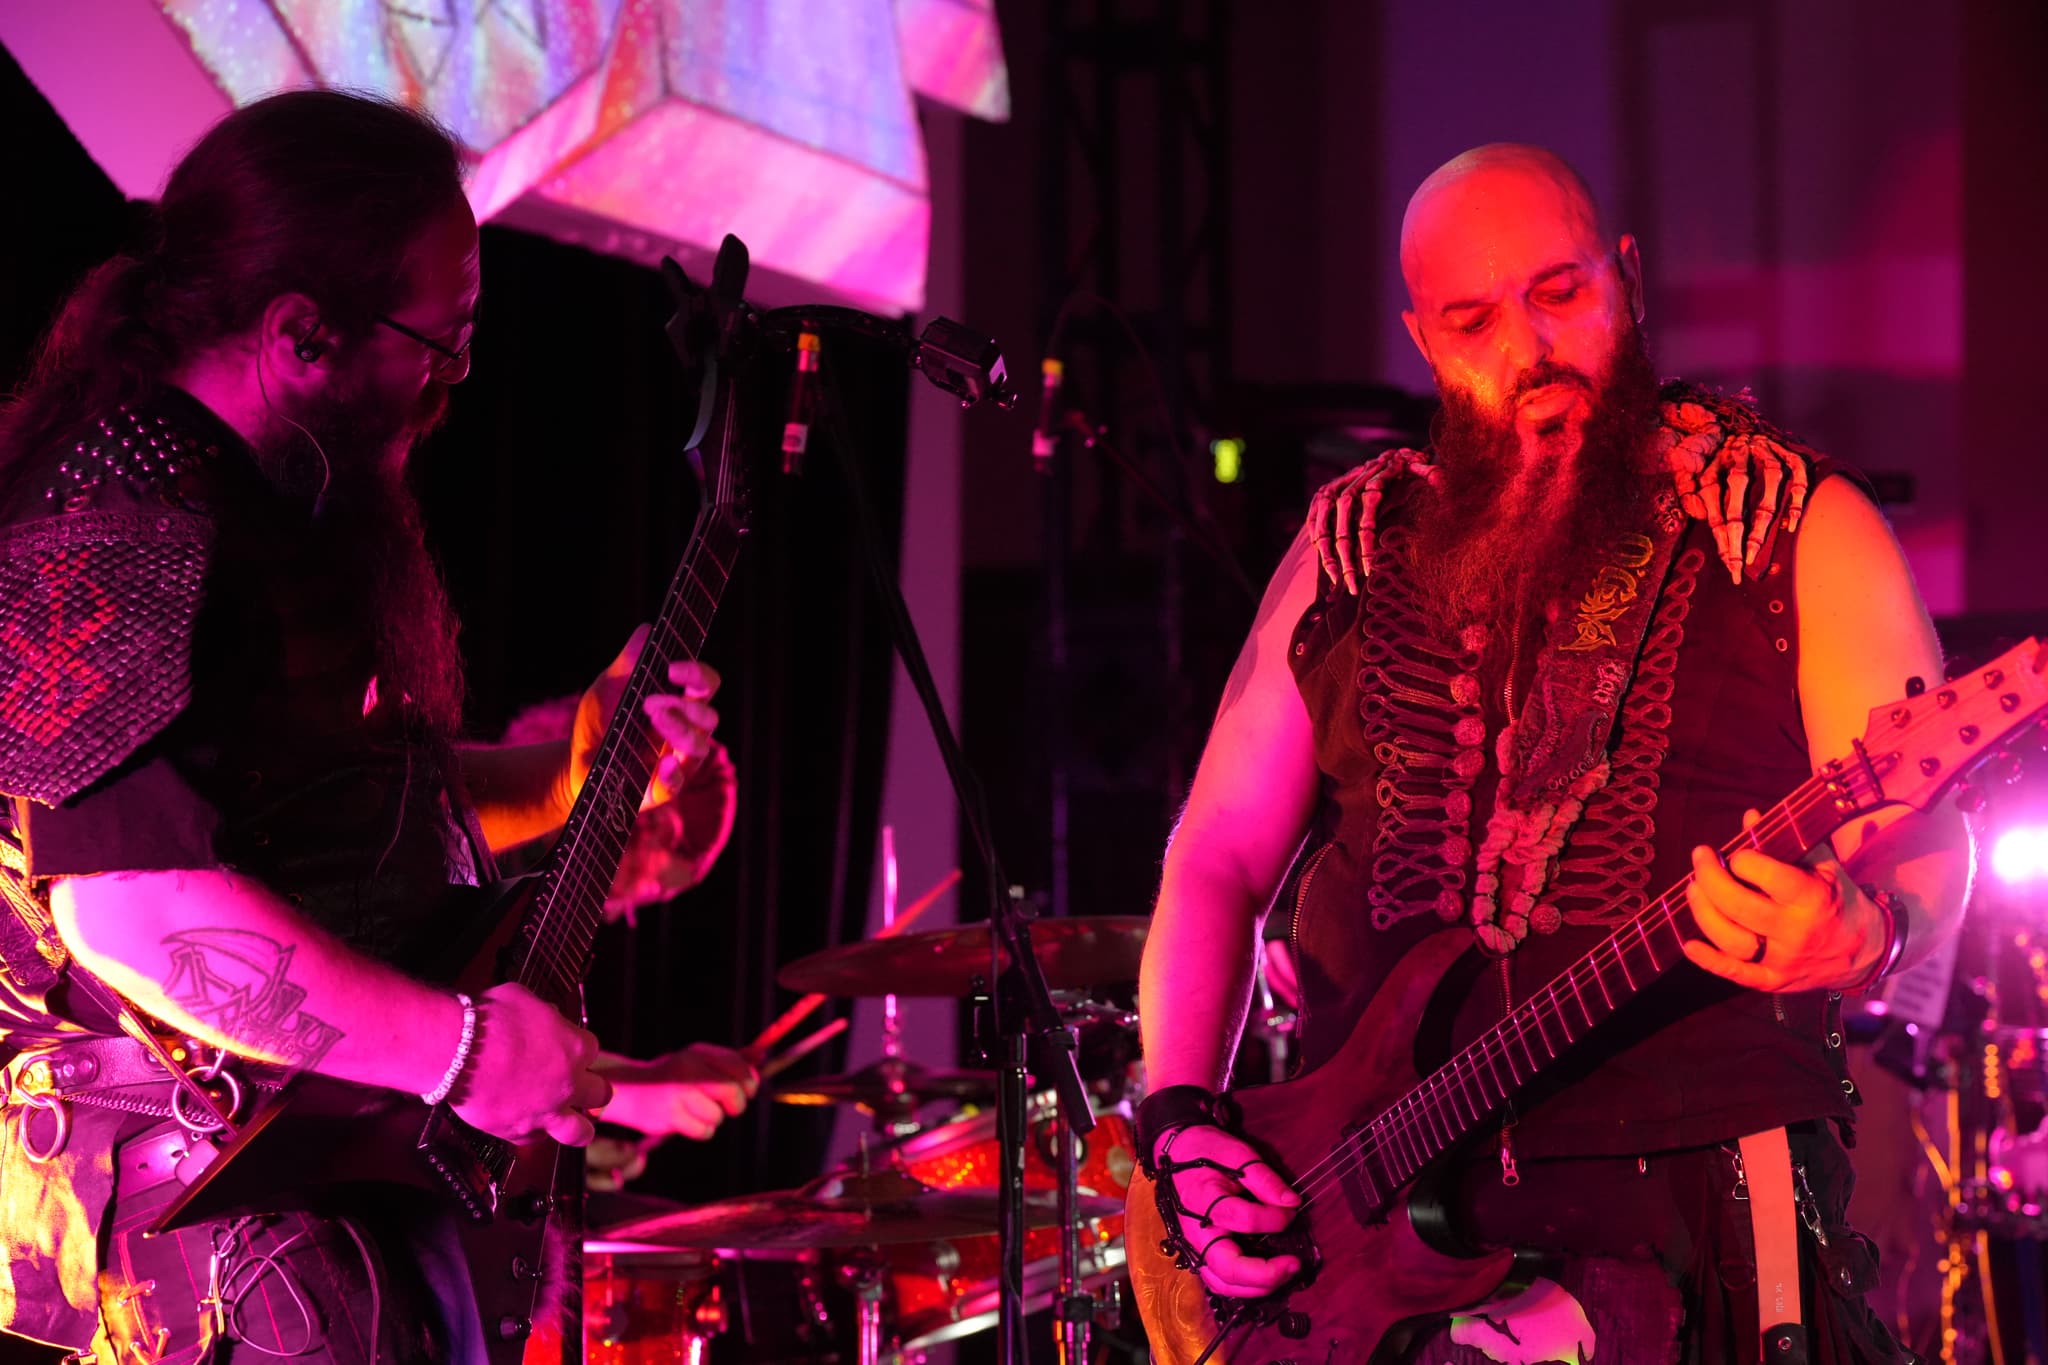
(948, 1289)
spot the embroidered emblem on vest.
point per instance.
(1614, 587)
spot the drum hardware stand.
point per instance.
(704, 1318)
(1075, 1311)
(1271, 1025)
(971, 368)
(864, 1273)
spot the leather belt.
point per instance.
(82, 1067)
(113, 1073)
(158, 1158)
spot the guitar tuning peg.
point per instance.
(1915, 685)
(1969, 799)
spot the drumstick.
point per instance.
(768, 1069)
(808, 1006)
(799, 1051)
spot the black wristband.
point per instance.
(1162, 1111)
(1896, 923)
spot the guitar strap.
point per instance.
(1774, 1224)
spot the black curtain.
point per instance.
(558, 501)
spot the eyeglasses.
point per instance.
(450, 365)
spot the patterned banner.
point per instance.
(637, 127)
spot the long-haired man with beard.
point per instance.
(229, 706)
(1551, 696)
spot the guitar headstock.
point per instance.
(1923, 744)
(702, 332)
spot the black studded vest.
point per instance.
(1708, 728)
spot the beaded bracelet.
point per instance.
(1895, 924)
(460, 1061)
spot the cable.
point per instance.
(326, 466)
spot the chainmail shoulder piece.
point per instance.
(98, 600)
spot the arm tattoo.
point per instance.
(234, 980)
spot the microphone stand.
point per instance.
(970, 367)
(1024, 1009)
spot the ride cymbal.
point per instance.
(1075, 954)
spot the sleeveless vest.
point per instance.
(1708, 728)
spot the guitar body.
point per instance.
(318, 1136)
(1370, 1272)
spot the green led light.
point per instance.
(1228, 453)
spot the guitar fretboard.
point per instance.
(555, 939)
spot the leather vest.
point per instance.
(1708, 728)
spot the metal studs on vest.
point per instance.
(144, 451)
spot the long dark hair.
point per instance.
(317, 192)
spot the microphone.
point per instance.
(803, 403)
(1053, 372)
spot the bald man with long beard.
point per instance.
(1353, 783)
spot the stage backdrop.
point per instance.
(638, 128)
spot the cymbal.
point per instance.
(888, 1086)
(1077, 952)
(843, 1210)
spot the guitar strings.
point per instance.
(1405, 1119)
(1414, 1108)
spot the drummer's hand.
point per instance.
(688, 1093)
(1260, 1202)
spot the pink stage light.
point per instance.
(638, 127)
(2020, 854)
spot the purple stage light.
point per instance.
(2020, 854)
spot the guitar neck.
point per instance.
(1460, 1095)
(552, 950)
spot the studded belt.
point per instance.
(118, 1073)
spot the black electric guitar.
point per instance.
(1355, 1135)
(319, 1132)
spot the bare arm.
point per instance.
(524, 792)
(1253, 793)
(221, 957)
(520, 792)
(1862, 632)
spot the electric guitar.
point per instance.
(320, 1132)
(1359, 1136)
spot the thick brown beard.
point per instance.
(1498, 541)
(370, 530)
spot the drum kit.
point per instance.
(900, 1243)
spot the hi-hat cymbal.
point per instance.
(892, 1085)
(1079, 952)
(841, 1210)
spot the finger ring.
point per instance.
(1762, 943)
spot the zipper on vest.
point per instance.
(1308, 874)
(1509, 1176)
